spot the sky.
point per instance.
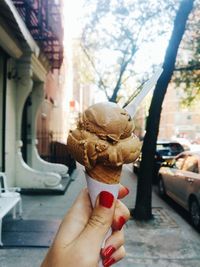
(148, 54)
(72, 11)
(72, 27)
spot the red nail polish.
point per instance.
(127, 190)
(106, 199)
(107, 252)
(121, 221)
(108, 262)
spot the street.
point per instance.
(101, 83)
(168, 240)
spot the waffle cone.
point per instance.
(105, 174)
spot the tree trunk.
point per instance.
(143, 207)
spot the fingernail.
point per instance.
(107, 252)
(108, 262)
(127, 190)
(120, 223)
(106, 199)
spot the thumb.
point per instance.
(100, 221)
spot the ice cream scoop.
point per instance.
(103, 141)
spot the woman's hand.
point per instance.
(80, 236)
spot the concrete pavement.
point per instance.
(169, 240)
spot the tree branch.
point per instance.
(101, 83)
(188, 68)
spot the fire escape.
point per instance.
(43, 19)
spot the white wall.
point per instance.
(11, 129)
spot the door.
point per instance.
(26, 129)
(186, 179)
(174, 179)
(189, 176)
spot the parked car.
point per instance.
(165, 152)
(188, 145)
(180, 180)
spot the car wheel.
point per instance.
(161, 187)
(195, 213)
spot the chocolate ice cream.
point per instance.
(103, 141)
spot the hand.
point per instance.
(80, 236)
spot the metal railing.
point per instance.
(44, 21)
(52, 149)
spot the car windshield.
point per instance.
(169, 149)
(179, 163)
(190, 164)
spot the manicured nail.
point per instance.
(108, 262)
(127, 190)
(120, 223)
(123, 192)
(106, 199)
(107, 252)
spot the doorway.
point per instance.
(26, 128)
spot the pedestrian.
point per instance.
(78, 242)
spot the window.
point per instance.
(179, 163)
(191, 164)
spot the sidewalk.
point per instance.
(168, 240)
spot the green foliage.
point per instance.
(189, 80)
(187, 75)
(114, 33)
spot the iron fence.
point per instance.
(52, 149)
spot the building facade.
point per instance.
(31, 56)
(177, 120)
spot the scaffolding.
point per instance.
(43, 19)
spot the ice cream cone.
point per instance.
(102, 142)
(105, 174)
(95, 187)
